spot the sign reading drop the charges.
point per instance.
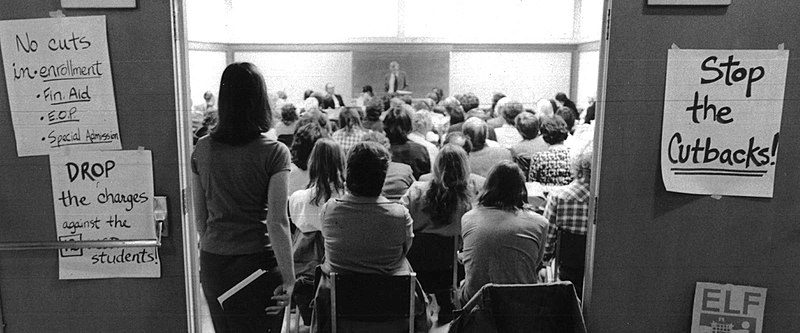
(104, 195)
(722, 115)
(728, 308)
(59, 84)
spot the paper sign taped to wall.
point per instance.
(728, 308)
(60, 88)
(722, 117)
(104, 195)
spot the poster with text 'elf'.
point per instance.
(728, 308)
(104, 195)
(59, 83)
(722, 117)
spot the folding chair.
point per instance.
(372, 298)
(523, 308)
(434, 259)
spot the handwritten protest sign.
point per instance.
(722, 115)
(728, 308)
(104, 195)
(59, 83)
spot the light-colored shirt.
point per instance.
(369, 235)
(304, 214)
(298, 178)
(500, 247)
(507, 135)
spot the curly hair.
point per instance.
(554, 130)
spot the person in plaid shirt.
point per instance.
(351, 131)
(567, 209)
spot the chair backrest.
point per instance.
(571, 249)
(372, 298)
(431, 252)
(550, 307)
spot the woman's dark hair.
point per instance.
(562, 97)
(504, 187)
(459, 139)
(554, 129)
(568, 116)
(349, 119)
(305, 136)
(439, 94)
(455, 112)
(325, 170)
(469, 101)
(397, 124)
(527, 125)
(367, 163)
(368, 89)
(448, 188)
(374, 109)
(244, 111)
(315, 116)
(288, 114)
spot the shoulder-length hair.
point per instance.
(367, 163)
(504, 187)
(349, 119)
(397, 124)
(326, 170)
(448, 189)
(243, 108)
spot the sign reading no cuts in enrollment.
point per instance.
(722, 117)
(59, 83)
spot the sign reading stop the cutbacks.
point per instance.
(722, 117)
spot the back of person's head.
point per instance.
(553, 129)
(511, 110)
(495, 98)
(422, 122)
(305, 136)
(315, 116)
(469, 101)
(504, 187)
(439, 94)
(455, 112)
(581, 166)
(349, 119)
(448, 189)
(243, 111)
(527, 125)
(459, 139)
(477, 113)
(433, 96)
(476, 130)
(545, 108)
(367, 163)
(307, 93)
(320, 97)
(568, 116)
(288, 114)
(373, 109)
(208, 96)
(325, 170)
(368, 89)
(310, 104)
(379, 138)
(406, 99)
(565, 101)
(397, 124)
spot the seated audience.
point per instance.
(305, 136)
(458, 139)
(492, 112)
(350, 131)
(469, 101)
(373, 111)
(545, 108)
(503, 242)
(421, 126)
(209, 122)
(363, 231)
(436, 206)
(439, 95)
(497, 112)
(455, 113)
(527, 125)
(326, 173)
(551, 167)
(567, 209)
(284, 129)
(482, 157)
(507, 135)
(399, 176)
(397, 125)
